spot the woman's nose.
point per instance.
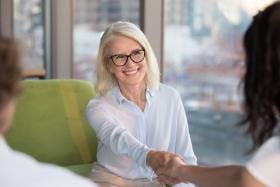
(129, 62)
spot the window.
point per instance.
(29, 29)
(91, 19)
(203, 60)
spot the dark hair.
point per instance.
(9, 70)
(262, 78)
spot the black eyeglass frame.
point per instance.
(128, 56)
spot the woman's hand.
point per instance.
(165, 165)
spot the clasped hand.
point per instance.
(166, 165)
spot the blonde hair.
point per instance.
(106, 80)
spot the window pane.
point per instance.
(29, 29)
(204, 61)
(91, 19)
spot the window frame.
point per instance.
(153, 27)
(6, 18)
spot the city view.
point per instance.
(204, 61)
(29, 30)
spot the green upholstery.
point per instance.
(50, 124)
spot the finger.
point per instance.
(160, 171)
(162, 180)
(169, 168)
(165, 179)
(156, 158)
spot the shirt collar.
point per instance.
(116, 93)
(149, 94)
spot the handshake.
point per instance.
(169, 167)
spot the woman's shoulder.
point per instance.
(168, 90)
(265, 163)
(275, 140)
(100, 102)
(270, 146)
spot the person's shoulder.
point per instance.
(100, 101)
(97, 100)
(265, 162)
(33, 173)
(61, 176)
(168, 90)
(269, 148)
(272, 145)
(275, 140)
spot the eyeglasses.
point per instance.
(136, 56)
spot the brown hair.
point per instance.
(10, 73)
(262, 78)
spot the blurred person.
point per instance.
(262, 108)
(18, 169)
(140, 123)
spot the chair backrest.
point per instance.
(50, 124)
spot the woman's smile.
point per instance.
(130, 72)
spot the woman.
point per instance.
(136, 118)
(18, 169)
(262, 108)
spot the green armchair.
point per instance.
(50, 124)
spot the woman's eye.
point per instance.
(136, 52)
(120, 57)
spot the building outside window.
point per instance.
(29, 30)
(204, 60)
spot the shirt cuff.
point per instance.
(147, 170)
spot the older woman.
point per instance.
(140, 123)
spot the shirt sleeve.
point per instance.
(117, 137)
(183, 140)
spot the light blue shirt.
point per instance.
(126, 133)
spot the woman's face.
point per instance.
(131, 73)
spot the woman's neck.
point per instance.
(135, 93)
